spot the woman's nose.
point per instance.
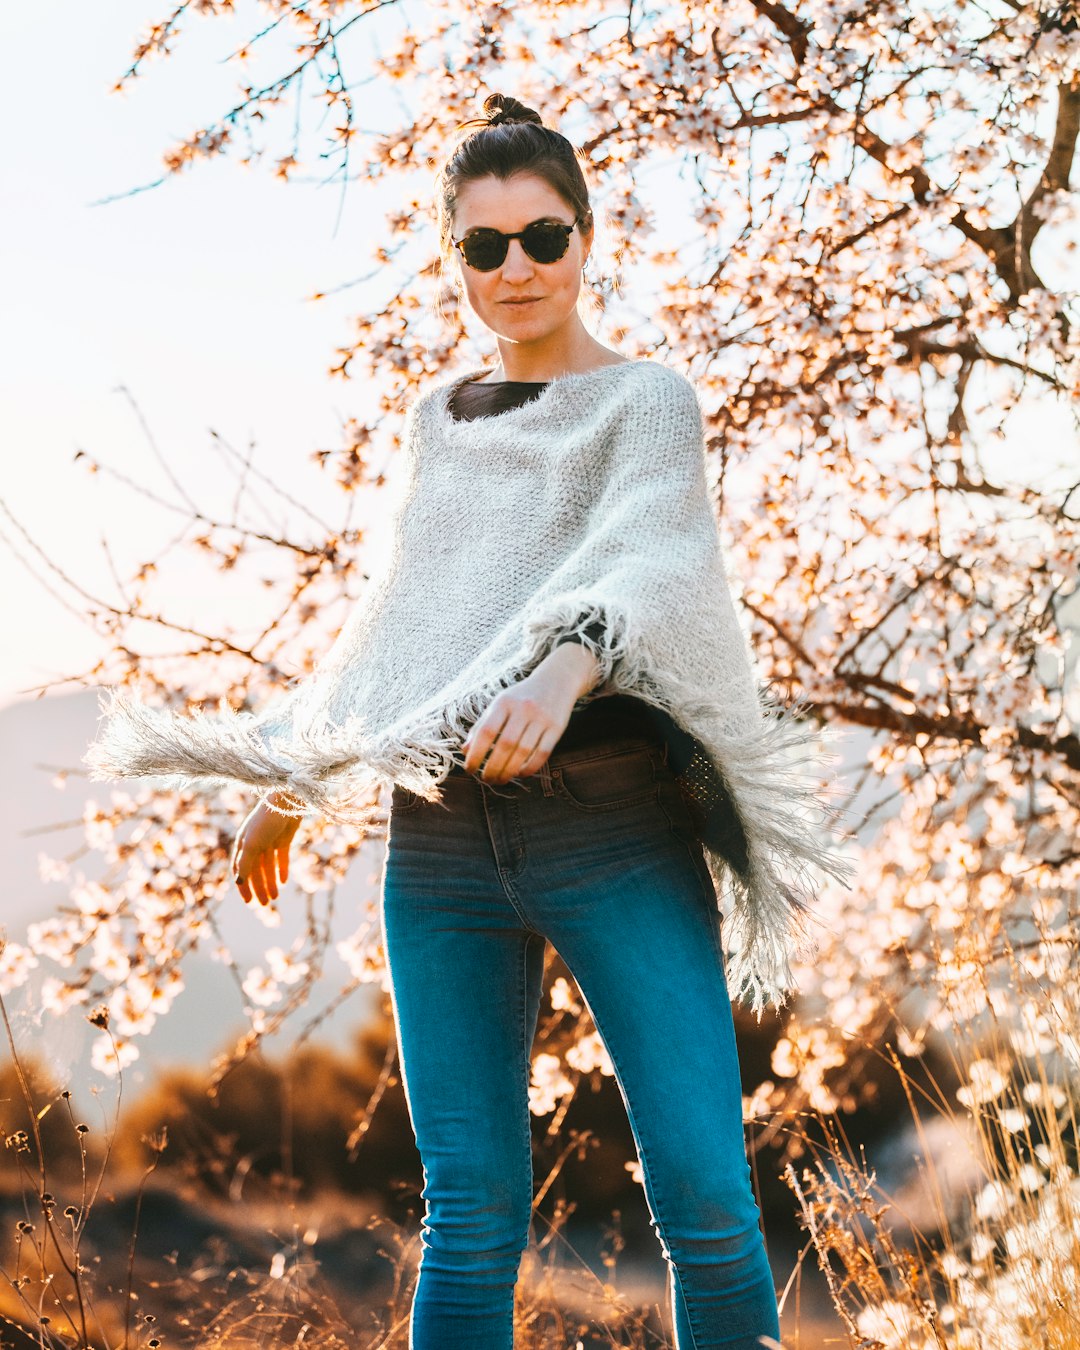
(518, 263)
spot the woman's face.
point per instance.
(552, 288)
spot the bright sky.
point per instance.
(191, 297)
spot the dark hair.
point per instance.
(508, 139)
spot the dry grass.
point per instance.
(72, 1274)
(989, 1264)
(999, 1271)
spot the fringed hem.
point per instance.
(195, 750)
(790, 831)
(339, 772)
(205, 752)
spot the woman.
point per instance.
(551, 629)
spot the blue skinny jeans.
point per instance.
(595, 853)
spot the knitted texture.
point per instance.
(587, 504)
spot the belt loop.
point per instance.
(545, 780)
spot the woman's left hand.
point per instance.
(522, 724)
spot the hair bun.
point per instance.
(502, 108)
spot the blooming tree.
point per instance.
(868, 271)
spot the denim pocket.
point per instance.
(609, 779)
(403, 800)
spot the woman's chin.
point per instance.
(528, 326)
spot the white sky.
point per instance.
(192, 296)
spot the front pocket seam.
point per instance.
(602, 753)
(650, 794)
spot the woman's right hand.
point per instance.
(260, 856)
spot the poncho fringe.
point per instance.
(670, 637)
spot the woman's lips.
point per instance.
(531, 301)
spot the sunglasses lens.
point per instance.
(545, 243)
(484, 249)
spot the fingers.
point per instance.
(257, 874)
(283, 861)
(515, 742)
(481, 738)
(246, 875)
(241, 868)
(268, 868)
(516, 759)
(537, 756)
(237, 852)
(504, 755)
(503, 750)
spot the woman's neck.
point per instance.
(597, 359)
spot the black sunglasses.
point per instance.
(545, 241)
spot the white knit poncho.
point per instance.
(589, 501)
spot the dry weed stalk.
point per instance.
(49, 1284)
(288, 1303)
(1002, 1269)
